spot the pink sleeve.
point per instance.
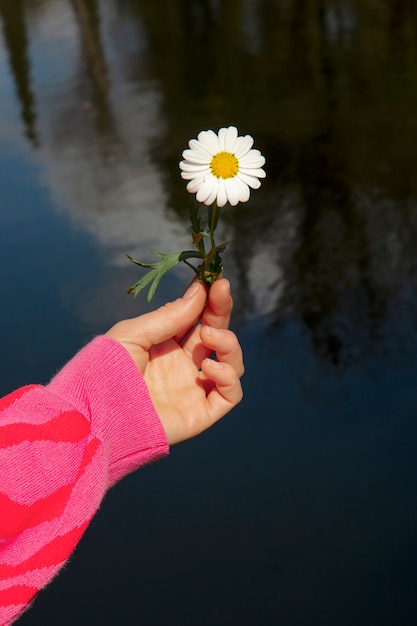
(61, 447)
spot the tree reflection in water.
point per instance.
(328, 91)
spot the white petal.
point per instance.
(221, 193)
(194, 185)
(232, 192)
(186, 166)
(222, 137)
(244, 191)
(230, 139)
(196, 157)
(252, 171)
(206, 189)
(188, 175)
(252, 160)
(243, 145)
(210, 141)
(255, 152)
(253, 182)
(197, 146)
(254, 165)
(191, 175)
(213, 193)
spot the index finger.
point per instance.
(169, 321)
(216, 314)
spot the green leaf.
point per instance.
(157, 271)
(221, 247)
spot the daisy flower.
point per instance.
(222, 167)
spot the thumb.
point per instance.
(174, 318)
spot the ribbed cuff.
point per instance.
(104, 384)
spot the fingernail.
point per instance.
(215, 363)
(192, 289)
(213, 332)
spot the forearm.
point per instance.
(61, 447)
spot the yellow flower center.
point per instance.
(224, 165)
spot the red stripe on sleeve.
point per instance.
(17, 595)
(15, 517)
(89, 453)
(54, 553)
(15, 395)
(69, 426)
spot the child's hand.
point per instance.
(171, 347)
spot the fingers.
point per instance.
(224, 373)
(170, 320)
(227, 391)
(216, 315)
(226, 346)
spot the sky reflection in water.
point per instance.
(300, 507)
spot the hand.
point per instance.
(171, 347)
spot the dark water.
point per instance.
(300, 508)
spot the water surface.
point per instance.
(299, 508)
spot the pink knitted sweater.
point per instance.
(61, 447)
